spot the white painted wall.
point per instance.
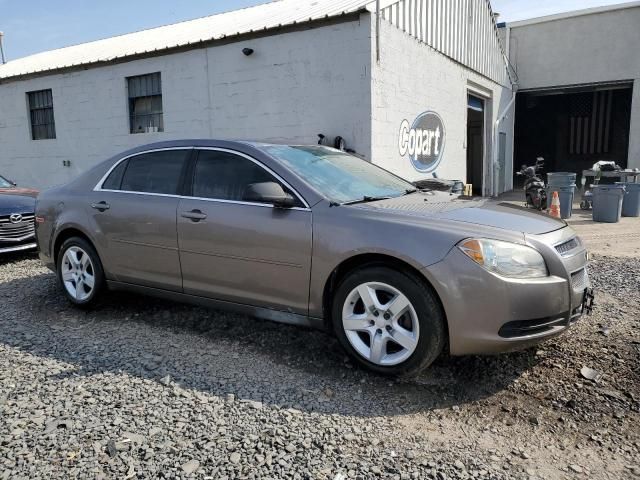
(293, 87)
(412, 78)
(601, 47)
(594, 48)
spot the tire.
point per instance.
(420, 329)
(78, 262)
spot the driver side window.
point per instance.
(222, 175)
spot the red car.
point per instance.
(17, 206)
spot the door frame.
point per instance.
(487, 98)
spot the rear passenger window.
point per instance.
(155, 172)
(114, 180)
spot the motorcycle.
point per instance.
(534, 187)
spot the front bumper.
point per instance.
(22, 247)
(490, 314)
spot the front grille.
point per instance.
(16, 232)
(579, 280)
(567, 247)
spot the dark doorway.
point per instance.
(574, 128)
(475, 143)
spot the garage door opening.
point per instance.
(573, 128)
(475, 143)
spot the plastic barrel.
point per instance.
(566, 194)
(631, 202)
(561, 179)
(607, 203)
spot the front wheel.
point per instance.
(80, 272)
(389, 321)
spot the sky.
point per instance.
(32, 26)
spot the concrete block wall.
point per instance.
(600, 47)
(294, 86)
(412, 78)
(586, 49)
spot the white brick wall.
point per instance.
(412, 78)
(293, 87)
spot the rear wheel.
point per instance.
(389, 321)
(80, 272)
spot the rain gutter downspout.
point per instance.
(496, 139)
(495, 171)
(2, 59)
(377, 30)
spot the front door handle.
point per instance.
(194, 215)
(101, 206)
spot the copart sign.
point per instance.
(423, 141)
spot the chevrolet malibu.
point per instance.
(313, 236)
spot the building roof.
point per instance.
(260, 18)
(572, 14)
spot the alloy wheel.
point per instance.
(78, 274)
(380, 323)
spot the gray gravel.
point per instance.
(140, 388)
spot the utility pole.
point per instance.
(2, 49)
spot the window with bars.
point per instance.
(43, 125)
(145, 103)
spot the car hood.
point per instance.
(438, 205)
(16, 203)
(21, 192)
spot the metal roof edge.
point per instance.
(224, 39)
(572, 14)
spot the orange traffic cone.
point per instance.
(554, 211)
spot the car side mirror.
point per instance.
(269, 192)
(13, 183)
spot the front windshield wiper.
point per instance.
(365, 199)
(409, 191)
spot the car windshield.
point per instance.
(4, 183)
(340, 177)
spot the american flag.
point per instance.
(590, 122)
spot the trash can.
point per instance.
(566, 194)
(561, 179)
(607, 203)
(631, 202)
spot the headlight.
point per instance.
(504, 258)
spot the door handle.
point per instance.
(102, 206)
(194, 215)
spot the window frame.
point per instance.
(181, 183)
(32, 109)
(191, 175)
(131, 101)
(186, 183)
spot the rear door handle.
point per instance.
(194, 215)
(102, 206)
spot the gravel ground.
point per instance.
(146, 389)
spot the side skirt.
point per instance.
(258, 312)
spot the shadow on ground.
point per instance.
(212, 352)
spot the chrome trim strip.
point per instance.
(29, 246)
(237, 202)
(17, 239)
(98, 187)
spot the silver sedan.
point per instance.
(316, 237)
